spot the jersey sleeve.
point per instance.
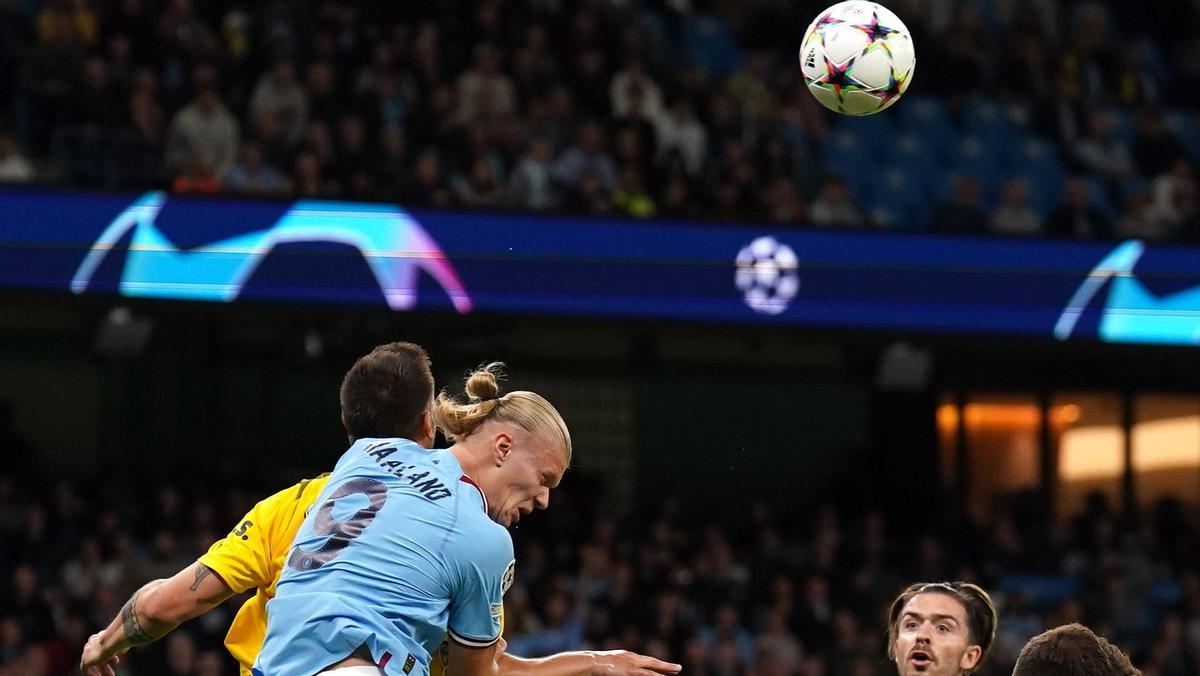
(484, 566)
(244, 558)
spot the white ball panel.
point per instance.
(826, 96)
(873, 70)
(860, 103)
(843, 42)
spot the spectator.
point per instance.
(962, 214)
(586, 156)
(1140, 221)
(324, 100)
(630, 197)
(1076, 217)
(354, 153)
(781, 202)
(14, 166)
(726, 628)
(833, 206)
(96, 105)
(50, 71)
(563, 631)
(121, 66)
(481, 188)
(531, 186)
(484, 91)
(428, 186)
(74, 18)
(779, 643)
(393, 162)
(633, 93)
(534, 67)
(591, 84)
(307, 176)
(749, 86)
(1101, 153)
(1173, 194)
(590, 195)
(677, 200)
(252, 176)
(16, 34)
(680, 131)
(630, 149)
(1154, 150)
(279, 92)
(204, 129)
(1014, 216)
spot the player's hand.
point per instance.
(94, 661)
(625, 663)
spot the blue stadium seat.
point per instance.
(1045, 190)
(987, 119)
(913, 152)
(973, 155)
(1037, 156)
(1101, 200)
(708, 40)
(875, 132)
(927, 119)
(848, 155)
(922, 111)
(897, 198)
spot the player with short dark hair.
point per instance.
(410, 545)
(940, 629)
(1072, 650)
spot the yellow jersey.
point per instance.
(253, 555)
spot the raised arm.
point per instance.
(586, 663)
(151, 613)
(243, 560)
(493, 661)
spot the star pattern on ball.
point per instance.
(828, 20)
(874, 31)
(894, 88)
(838, 77)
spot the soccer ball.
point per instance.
(767, 275)
(857, 58)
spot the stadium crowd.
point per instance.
(744, 590)
(1026, 117)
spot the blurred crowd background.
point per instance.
(726, 589)
(1025, 117)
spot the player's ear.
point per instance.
(502, 445)
(427, 434)
(970, 658)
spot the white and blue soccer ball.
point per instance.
(767, 275)
(857, 58)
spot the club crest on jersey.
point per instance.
(510, 574)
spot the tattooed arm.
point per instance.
(151, 613)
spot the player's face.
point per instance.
(529, 472)
(932, 638)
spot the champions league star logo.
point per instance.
(1131, 312)
(395, 247)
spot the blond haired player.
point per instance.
(254, 552)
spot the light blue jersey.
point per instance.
(397, 551)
